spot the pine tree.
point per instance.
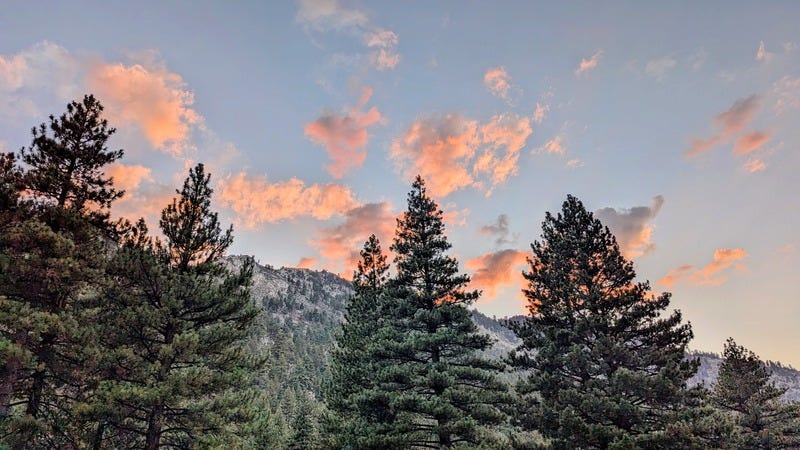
(51, 260)
(177, 321)
(360, 409)
(606, 370)
(442, 394)
(762, 419)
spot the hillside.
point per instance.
(304, 309)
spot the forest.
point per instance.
(116, 336)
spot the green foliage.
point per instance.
(606, 370)
(52, 254)
(743, 390)
(176, 321)
(429, 386)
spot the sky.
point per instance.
(675, 122)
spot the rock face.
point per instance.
(309, 305)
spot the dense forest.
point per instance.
(112, 336)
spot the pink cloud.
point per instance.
(709, 275)
(340, 244)
(438, 148)
(256, 201)
(555, 146)
(754, 165)
(787, 93)
(495, 271)
(152, 98)
(345, 135)
(750, 142)
(128, 177)
(307, 263)
(453, 153)
(498, 82)
(631, 227)
(589, 64)
(385, 57)
(574, 163)
(730, 122)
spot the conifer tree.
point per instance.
(606, 369)
(762, 419)
(441, 393)
(51, 260)
(360, 409)
(177, 321)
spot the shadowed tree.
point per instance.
(762, 419)
(606, 370)
(177, 321)
(52, 254)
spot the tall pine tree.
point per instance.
(52, 255)
(441, 392)
(743, 390)
(606, 370)
(177, 321)
(361, 411)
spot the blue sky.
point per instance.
(675, 122)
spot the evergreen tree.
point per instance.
(350, 393)
(51, 260)
(606, 370)
(441, 393)
(762, 419)
(177, 321)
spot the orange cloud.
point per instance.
(589, 64)
(555, 146)
(754, 165)
(147, 202)
(152, 98)
(307, 263)
(631, 228)
(498, 82)
(340, 244)
(495, 271)
(503, 131)
(128, 177)
(711, 274)
(345, 135)
(256, 201)
(750, 142)
(439, 149)
(730, 122)
(452, 152)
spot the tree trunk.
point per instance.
(154, 424)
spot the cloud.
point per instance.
(754, 165)
(145, 200)
(555, 146)
(500, 230)
(494, 271)
(750, 142)
(324, 15)
(151, 98)
(631, 227)
(385, 57)
(658, 68)
(762, 54)
(589, 64)
(452, 152)
(787, 93)
(498, 82)
(327, 15)
(574, 163)
(539, 113)
(698, 58)
(306, 263)
(730, 122)
(128, 177)
(710, 275)
(340, 244)
(257, 201)
(345, 135)
(36, 75)
(453, 217)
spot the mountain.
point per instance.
(303, 310)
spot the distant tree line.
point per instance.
(111, 337)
